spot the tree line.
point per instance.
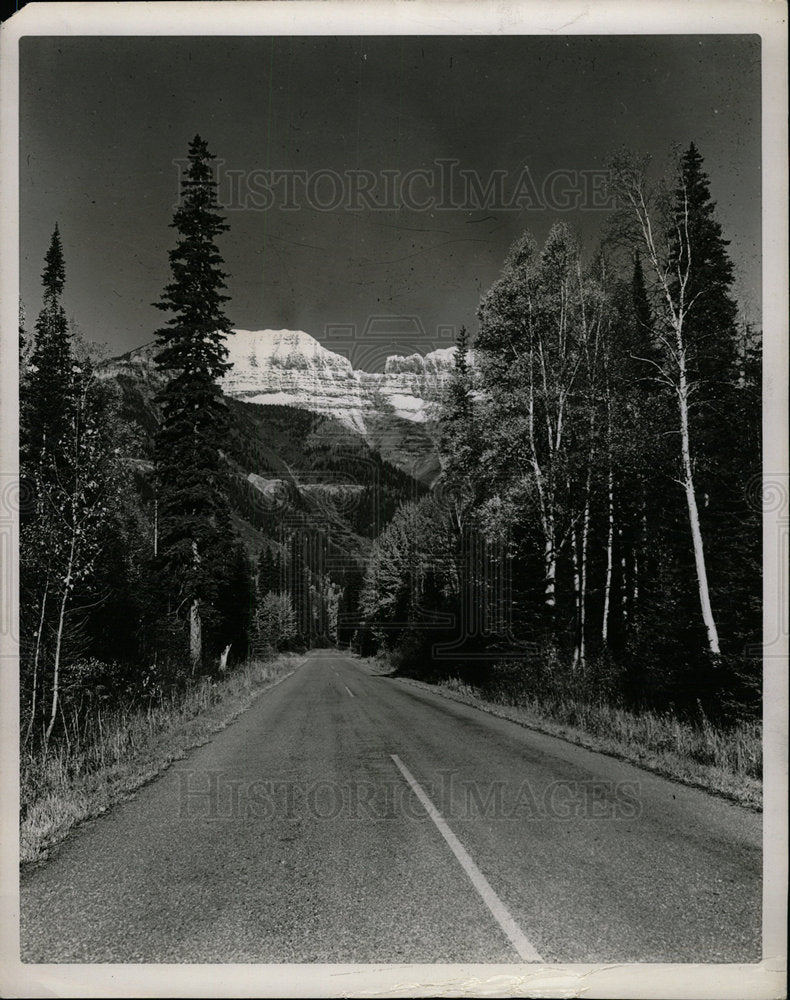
(597, 446)
(133, 580)
(590, 528)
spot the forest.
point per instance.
(594, 535)
(599, 440)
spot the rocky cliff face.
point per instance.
(392, 409)
(291, 368)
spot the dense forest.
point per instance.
(591, 529)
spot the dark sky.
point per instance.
(102, 121)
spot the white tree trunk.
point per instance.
(195, 626)
(623, 578)
(550, 568)
(577, 600)
(546, 499)
(59, 635)
(677, 309)
(607, 590)
(223, 658)
(639, 549)
(195, 635)
(36, 656)
(691, 501)
(583, 580)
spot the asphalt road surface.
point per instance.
(347, 817)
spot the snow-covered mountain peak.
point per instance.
(391, 409)
(283, 349)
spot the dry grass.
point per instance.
(727, 762)
(106, 761)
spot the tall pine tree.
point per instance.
(643, 314)
(458, 446)
(49, 397)
(711, 325)
(193, 504)
(75, 483)
(721, 412)
(669, 250)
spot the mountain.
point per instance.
(315, 450)
(319, 455)
(392, 410)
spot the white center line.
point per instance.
(524, 947)
(349, 691)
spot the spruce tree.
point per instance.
(194, 512)
(718, 413)
(462, 349)
(643, 314)
(457, 444)
(669, 251)
(711, 326)
(25, 352)
(49, 379)
(74, 481)
(25, 345)
(46, 405)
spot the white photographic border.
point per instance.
(422, 17)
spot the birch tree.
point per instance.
(593, 325)
(79, 498)
(537, 352)
(72, 480)
(666, 241)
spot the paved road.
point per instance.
(347, 817)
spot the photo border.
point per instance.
(443, 17)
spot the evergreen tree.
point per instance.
(721, 412)
(50, 393)
(458, 445)
(639, 455)
(461, 359)
(75, 482)
(711, 325)
(670, 253)
(193, 505)
(46, 398)
(643, 314)
(25, 352)
(25, 345)
(235, 603)
(711, 329)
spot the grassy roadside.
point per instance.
(727, 763)
(126, 749)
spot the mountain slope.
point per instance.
(293, 472)
(392, 410)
